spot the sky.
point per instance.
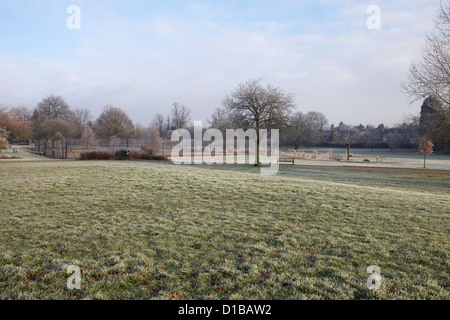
(142, 56)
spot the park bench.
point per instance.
(286, 160)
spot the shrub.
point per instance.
(153, 157)
(147, 150)
(119, 155)
(96, 155)
(3, 143)
(122, 155)
(136, 155)
(330, 154)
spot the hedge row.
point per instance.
(96, 155)
(119, 155)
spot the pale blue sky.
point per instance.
(142, 56)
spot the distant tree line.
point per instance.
(53, 119)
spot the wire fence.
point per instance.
(72, 148)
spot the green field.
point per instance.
(153, 230)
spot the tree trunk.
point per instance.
(424, 161)
(257, 147)
(348, 152)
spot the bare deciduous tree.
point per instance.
(139, 131)
(82, 116)
(181, 115)
(349, 136)
(370, 136)
(20, 113)
(305, 129)
(4, 118)
(220, 120)
(113, 122)
(52, 110)
(316, 122)
(80, 120)
(299, 131)
(394, 140)
(88, 137)
(431, 76)
(261, 107)
(56, 129)
(3, 138)
(158, 121)
(54, 107)
(167, 124)
(153, 139)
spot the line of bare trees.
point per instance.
(53, 119)
(252, 104)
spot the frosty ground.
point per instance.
(153, 230)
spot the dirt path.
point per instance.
(32, 161)
(375, 169)
(351, 168)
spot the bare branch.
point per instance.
(431, 76)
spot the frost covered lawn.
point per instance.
(143, 230)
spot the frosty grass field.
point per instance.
(153, 230)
